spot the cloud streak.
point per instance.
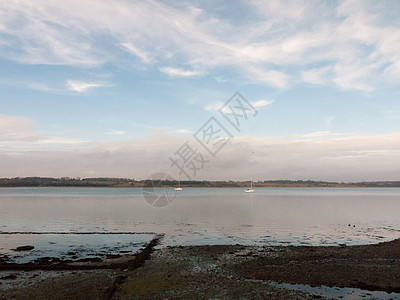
(176, 72)
(262, 103)
(82, 86)
(215, 106)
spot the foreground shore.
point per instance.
(203, 272)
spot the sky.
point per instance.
(119, 88)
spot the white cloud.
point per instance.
(17, 128)
(116, 132)
(81, 86)
(353, 75)
(285, 42)
(38, 86)
(329, 119)
(58, 140)
(261, 103)
(144, 56)
(19, 133)
(283, 10)
(215, 106)
(320, 134)
(158, 130)
(176, 72)
(39, 38)
(270, 77)
(184, 131)
(315, 75)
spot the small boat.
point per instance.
(179, 187)
(250, 190)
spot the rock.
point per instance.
(24, 248)
(4, 258)
(111, 256)
(11, 276)
(47, 260)
(90, 259)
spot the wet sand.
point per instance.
(203, 272)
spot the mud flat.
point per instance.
(203, 272)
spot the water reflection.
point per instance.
(273, 216)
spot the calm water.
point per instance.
(271, 216)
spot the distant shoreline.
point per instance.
(205, 187)
(132, 183)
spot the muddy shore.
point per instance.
(203, 272)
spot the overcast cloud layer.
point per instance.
(332, 158)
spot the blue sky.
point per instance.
(114, 88)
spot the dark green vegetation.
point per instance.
(64, 181)
(126, 182)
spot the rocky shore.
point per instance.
(203, 272)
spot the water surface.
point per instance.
(271, 216)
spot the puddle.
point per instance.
(333, 292)
(338, 293)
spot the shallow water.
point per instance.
(339, 293)
(271, 216)
(71, 246)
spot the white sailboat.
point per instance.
(179, 187)
(250, 190)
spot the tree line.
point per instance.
(128, 182)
